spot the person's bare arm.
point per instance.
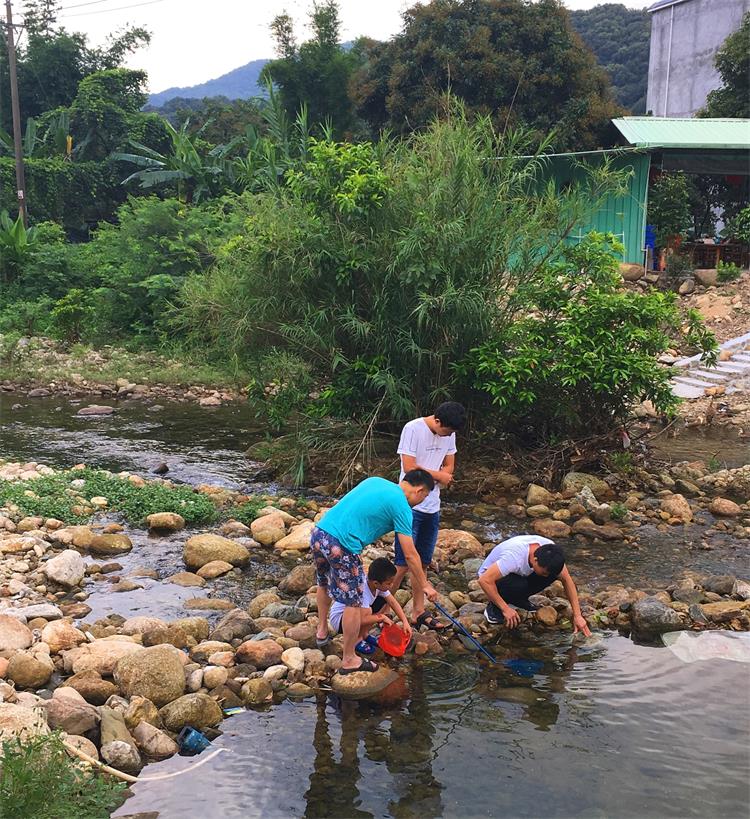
(442, 476)
(414, 562)
(397, 609)
(373, 619)
(571, 592)
(487, 581)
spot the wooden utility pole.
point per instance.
(17, 143)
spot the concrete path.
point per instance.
(691, 378)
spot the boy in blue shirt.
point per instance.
(373, 508)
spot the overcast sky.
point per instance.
(197, 40)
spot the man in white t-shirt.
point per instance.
(430, 444)
(519, 567)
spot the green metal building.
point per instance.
(705, 146)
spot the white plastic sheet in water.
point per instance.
(691, 646)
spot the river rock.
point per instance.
(260, 653)
(165, 522)
(28, 671)
(155, 673)
(67, 569)
(14, 635)
(719, 584)
(268, 529)
(141, 710)
(90, 685)
(202, 549)
(141, 624)
(741, 590)
(123, 756)
(195, 627)
(300, 690)
(723, 507)
(298, 540)
(214, 676)
(256, 691)
(275, 672)
(216, 568)
(362, 684)
(186, 579)
(44, 610)
(84, 745)
(538, 496)
(552, 529)
(95, 409)
(208, 604)
(201, 652)
(650, 617)
(234, 625)
(153, 743)
(19, 722)
(101, 655)
(299, 580)
(546, 615)
(168, 634)
(113, 728)
(454, 541)
(573, 482)
(71, 715)
(303, 633)
(724, 610)
(293, 659)
(283, 611)
(260, 601)
(110, 545)
(61, 635)
(587, 528)
(676, 506)
(197, 710)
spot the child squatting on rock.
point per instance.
(376, 597)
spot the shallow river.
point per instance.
(609, 729)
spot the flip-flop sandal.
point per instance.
(324, 642)
(432, 623)
(365, 665)
(364, 647)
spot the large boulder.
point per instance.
(260, 601)
(153, 743)
(573, 482)
(650, 618)
(141, 710)
(456, 540)
(719, 583)
(298, 540)
(106, 545)
(256, 691)
(676, 506)
(141, 624)
(66, 569)
(234, 625)
(723, 507)
(363, 684)
(552, 529)
(537, 495)
(14, 635)
(197, 710)
(631, 272)
(28, 671)
(283, 611)
(101, 655)
(197, 628)
(587, 528)
(268, 529)
(71, 715)
(165, 522)
(202, 549)
(299, 580)
(260, 653)
(61, 635)
(19, 722)
(155, 673)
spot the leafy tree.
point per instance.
(669, 207)
(733, 65)
(315, 74)
(620, 38)
(513, 60)
(218, 119)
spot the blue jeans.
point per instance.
(424, 531)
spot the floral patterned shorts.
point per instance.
(339, 571)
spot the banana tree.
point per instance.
(16, 245)
(195, 173)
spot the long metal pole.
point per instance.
(17, 143)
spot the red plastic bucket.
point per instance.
(394, 640)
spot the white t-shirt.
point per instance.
(512, 555)
(337, 609)
(430, 450)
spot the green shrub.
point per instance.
(618, 511)
(727, 272)
(738, 228)
(29, 318)
(72, 315)
(280, 386)
(39, 780)
(246, 512)
(669, 207)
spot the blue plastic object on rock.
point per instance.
(192, 742)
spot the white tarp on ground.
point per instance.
(691, 646)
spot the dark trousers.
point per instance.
(516, 590)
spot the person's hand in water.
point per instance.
(512, 617)
(580, 624)
(384, 620)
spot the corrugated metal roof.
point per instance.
(663, 4)
(685, 132)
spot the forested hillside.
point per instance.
(619, 37)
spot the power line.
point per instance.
(80, 5)
(106, 11)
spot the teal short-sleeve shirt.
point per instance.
(373, 508)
